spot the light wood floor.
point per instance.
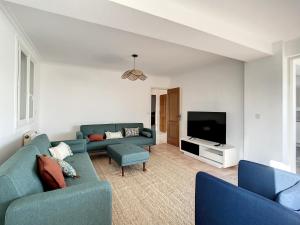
(164, 194)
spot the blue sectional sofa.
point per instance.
(86, 200)
(251, 203)
(140, 140)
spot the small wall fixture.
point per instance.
(134, 74)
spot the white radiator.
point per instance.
(28, 136)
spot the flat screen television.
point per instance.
(210, 126)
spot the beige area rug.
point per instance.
(162, 195)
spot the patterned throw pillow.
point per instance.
(113, 135)
(61, 151)
(131, 132)
(67, 169)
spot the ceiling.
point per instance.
(269, 20)
(65, 40)
(191, 33)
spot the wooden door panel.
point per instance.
(163, 113)
(173, 116)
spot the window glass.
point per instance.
(31, 88)
(23, 87)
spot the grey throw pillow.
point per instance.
(147, 134)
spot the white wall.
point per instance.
(10, 136)
(71, 96)
(263, 109)
(215, 87)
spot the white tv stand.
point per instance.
(220, 156)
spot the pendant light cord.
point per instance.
(134, 63)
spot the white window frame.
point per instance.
(27, 119)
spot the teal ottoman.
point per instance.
(127, 154)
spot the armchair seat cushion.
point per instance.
(84, 168)
(290, 197)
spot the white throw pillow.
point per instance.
(113, 135)
(61, 151)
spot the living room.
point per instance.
(84, 72)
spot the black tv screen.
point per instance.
(210, 126)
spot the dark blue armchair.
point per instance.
(251, 203)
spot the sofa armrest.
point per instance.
(153, 134)
(88, 203)
(221, 203)
(79, 135)
(77, 146)
(264, 180)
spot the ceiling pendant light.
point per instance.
(134, 74)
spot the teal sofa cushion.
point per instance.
(42, 143)
(127, 154)
(18, 177)
(97, 129)
(84, 168)
(102, 145)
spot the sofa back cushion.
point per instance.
(97, 129)
(42, 143)
(121, 126)
(19, 177)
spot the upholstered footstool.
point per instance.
(127, 154)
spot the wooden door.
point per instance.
(163, 113)
(173, 116)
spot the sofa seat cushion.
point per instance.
(101, 145)
(140, 140)
(84, 168)
(290, 197)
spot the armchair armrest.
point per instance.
(221, 203)
(264, 180)
(153, 133)
(79, 135)
(77, 146)
(88, 203)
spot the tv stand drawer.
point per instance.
(190, 147)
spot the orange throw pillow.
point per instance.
(50, 173)
(96, 137)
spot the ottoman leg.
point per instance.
(122, 171)
(109, 160)
(144, 166)
(149, 148)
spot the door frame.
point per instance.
(149, 105)
(290, 133)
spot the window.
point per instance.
(26, 70)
